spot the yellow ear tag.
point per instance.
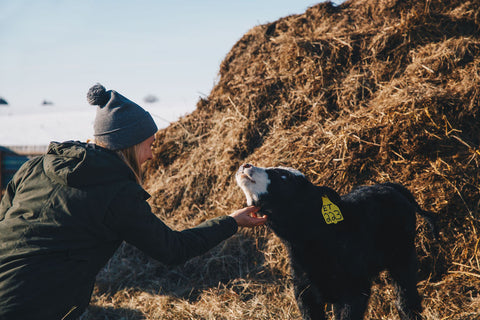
(331, 213)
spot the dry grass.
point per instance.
(371, 91)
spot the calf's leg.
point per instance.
(309, 299)
(352, 308)
(404, 274)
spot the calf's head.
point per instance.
(280, 190)
(265, 185)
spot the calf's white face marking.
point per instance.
(254, 181)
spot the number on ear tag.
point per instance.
(331, 213)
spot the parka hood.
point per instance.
(78, 164)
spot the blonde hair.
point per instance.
(130, 157)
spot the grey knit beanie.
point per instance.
(119, 123)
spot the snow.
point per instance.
(38, 126)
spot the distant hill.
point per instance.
(369, 91)
(3, 101)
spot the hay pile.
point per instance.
(370, 91)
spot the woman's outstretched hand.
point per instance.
(247, 217)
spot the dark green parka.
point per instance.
(63, 216)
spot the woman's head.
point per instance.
(119, 123)
(122, 126)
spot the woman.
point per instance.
(65, 213)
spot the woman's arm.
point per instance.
(130, 216)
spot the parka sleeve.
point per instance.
(130, 216)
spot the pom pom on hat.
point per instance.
(98, 95)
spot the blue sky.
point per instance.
(57, 49)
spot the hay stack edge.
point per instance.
(368, 91)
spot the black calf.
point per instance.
(338, 244)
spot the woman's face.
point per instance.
(145, 150)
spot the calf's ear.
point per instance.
(330, 193)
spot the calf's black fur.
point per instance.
(336, 263)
